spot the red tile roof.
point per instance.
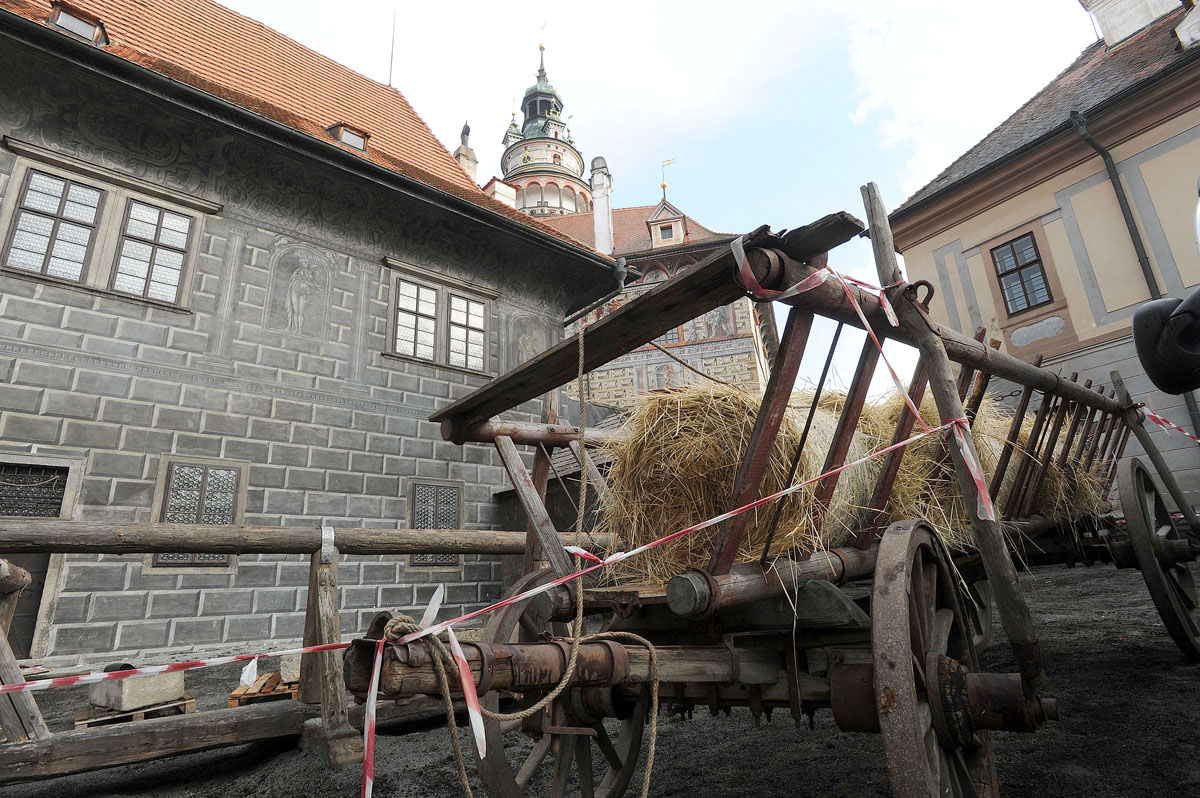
(242, 61)
(630, 232)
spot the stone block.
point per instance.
(383, 444)
(33, 429)
(438, 388)
(128, 694)
(226, 602)
(305, 479)
(339, 482)
(188, 340)
(251, 451)
(197, 631)
(287, 625)
(70, 609)
(366, 463)
(436, 469)
(152, 579)
(145, 440)
(369, 422)
(382, 486)
(358, 596)
(174, 604)
(271, 357)
(33, 312)
(154, 391)
(197, 445)
(462, 594)
(392, 596)
(248, 627)
(329, 459)
(292, 411)
(347, 439)
(89, 322)
(325, 504)
(127, 492)
(177, 419)
(374, 573)
(116, 411)
(94, 577)
(103, 346)
(82, 639)
(68, 404)
(364, 506)
(263, 430)
(275, 600)
(310, 435)
(267, 476)
(287, 502)
(86, 434)
(142, 332)
(204, 398)
(26, 400)
(417, 448)
(282, 454)
(142, 634)
(247, 405)
(96, 492)
(254, 574)
(399, 466)
(289, 668)
(224, 424)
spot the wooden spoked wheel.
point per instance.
(595, 765)
(1157, 544)
(922, 645)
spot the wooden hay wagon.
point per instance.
(882, 631)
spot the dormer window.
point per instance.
(666, 232)
(80, 23)
(350, 136)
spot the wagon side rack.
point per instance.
(724, 637)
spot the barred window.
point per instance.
(32, 490)
(198, 494)
(153, 246)
(435, 506)
(54, 228)
(467, 327)
(1022, 277)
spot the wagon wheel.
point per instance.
(1152, 534)
(919, 628)
(978, 605)
(599, 766)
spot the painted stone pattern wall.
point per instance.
(275, 365)
(723, 343)
(1091, 268)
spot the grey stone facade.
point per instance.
(325, 425)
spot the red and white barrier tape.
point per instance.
(1166, 424)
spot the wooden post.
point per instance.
(1028, 497)
(1014, 431)
(989, 540)
(1133, 420)
(321, 673)
(541, 477)
(981, 386)
(13, 579)
(892, 460)
(595, 478)
(19, 713)
(762, 438)
(535, 509)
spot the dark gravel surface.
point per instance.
(1129, 701)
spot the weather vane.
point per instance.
(665, 164)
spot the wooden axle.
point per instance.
(52, 536)
(697, 593)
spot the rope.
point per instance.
(686, 364)
(402, 625)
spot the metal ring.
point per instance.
(841, 580)
(327, 548)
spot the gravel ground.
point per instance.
(1128, 699)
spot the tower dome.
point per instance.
(540, 158)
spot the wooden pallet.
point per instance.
(99, 716)
(267, 687)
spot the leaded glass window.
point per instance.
(54, 227)
(416, 320)
(151, 253)
(435, 506)
(1022, 277)
(468, 325)
(198, 494)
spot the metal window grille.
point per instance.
(1022, 277)
(154, 243)
(54, 227)
(435, 507)
(197, 494)
(32, 490)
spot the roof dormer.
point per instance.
(78, 22)
(350, 135)
(668, 226)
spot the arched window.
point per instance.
(552, 196)
(557, 157)
(568, 200)
(533, 195)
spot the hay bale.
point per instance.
(677, 463)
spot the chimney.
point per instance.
(500, 191)
(1188, 31)
(465, 155)
(1120, 19)
(602, 216)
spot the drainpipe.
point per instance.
(1135, 236)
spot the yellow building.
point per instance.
(1082, 205)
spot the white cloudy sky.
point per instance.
(776, 111)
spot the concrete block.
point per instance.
(289, 668)
(143, 691)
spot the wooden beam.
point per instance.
(535, 509)
(696, 291)
(595, 479)
(19, 713)
(1010, 440)
(757, 456)
(890, 469)
(53, 536)
(528, 434)
(125, 743)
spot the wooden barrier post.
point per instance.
(19, 713)
(321, 674)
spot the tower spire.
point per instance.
(541, 73)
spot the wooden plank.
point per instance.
(762, 438)
(124, 743)
(692, 293)
(1010, 441)
(541, 478)
(89, 717)
(595, 479)
(535, 509)
(1029, 496)
(981, 385)
(892, 460)
(24, 721)
(843, 434)
(53, 536)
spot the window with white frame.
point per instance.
(440, 323)
(56, 230)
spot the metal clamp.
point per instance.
(327, 548)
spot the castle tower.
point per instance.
(540, 158)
